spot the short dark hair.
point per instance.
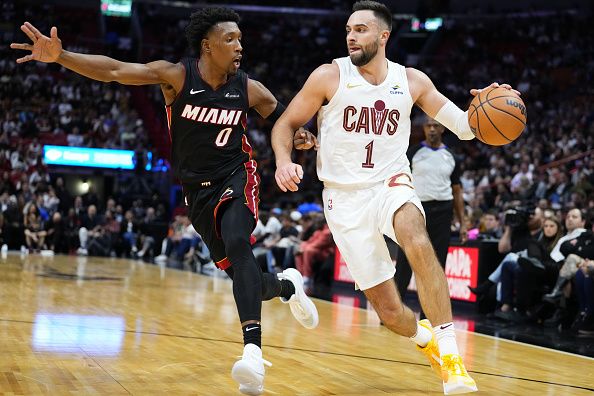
(380, 11)
(202, 21)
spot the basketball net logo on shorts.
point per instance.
(330, 204)
(371, 119)
(226, 194)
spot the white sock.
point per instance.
(422, 336)
(446, 339)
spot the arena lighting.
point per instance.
(91, 157)
(120, 8)
(84, 187)
(429, 24)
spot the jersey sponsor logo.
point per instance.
(212, 116)
(395, 90)
(349, 85)
(376, 119)
(192, 92)
(232, 95)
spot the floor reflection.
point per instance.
(62, 332)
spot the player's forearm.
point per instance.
(455, 120)
(97, 67)
(282, 142)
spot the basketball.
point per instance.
(497, 116)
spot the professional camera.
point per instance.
(518, 216)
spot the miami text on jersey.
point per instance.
(212, 116)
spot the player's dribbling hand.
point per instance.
(475, 91)
(288, 176)
(305, 140)
(44, 49)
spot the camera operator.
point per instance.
(522, 270)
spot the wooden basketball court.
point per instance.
(72, 325)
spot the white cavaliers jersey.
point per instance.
(364, 130)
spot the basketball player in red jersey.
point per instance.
(363, 104)
(207, 99)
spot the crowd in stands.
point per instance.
(536, 195)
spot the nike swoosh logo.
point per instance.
(192, 92)
(349, 85)
(250, 328)
(444, 327)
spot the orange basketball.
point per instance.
(497, 116)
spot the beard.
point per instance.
(366, 55)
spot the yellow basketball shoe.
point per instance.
(431, 350)
(455, 377)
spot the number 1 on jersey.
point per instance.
(368, 163)
(223, 137)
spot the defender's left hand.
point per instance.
(305, 140)
(475, 91)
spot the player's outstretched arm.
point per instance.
(440, 108)
(301, 109)
(102, 68)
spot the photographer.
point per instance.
(524, 277)
(524, 241)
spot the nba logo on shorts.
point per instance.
(330, 204)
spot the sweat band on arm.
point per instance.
(455, 120)
(277, 112)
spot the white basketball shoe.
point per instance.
(303, 309)
(249, 370)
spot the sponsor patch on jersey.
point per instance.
(396, 90)
(232, 95)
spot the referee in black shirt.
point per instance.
(436, 177)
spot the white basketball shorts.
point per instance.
(359, 218)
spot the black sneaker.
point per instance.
(556, 319)
(482, 288)
(587, 326)
(579, 319)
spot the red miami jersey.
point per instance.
(364, 129)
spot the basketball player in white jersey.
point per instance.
(363, 103)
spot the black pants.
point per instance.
(439, 220)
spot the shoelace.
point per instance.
(456, 366)
(266, 362)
